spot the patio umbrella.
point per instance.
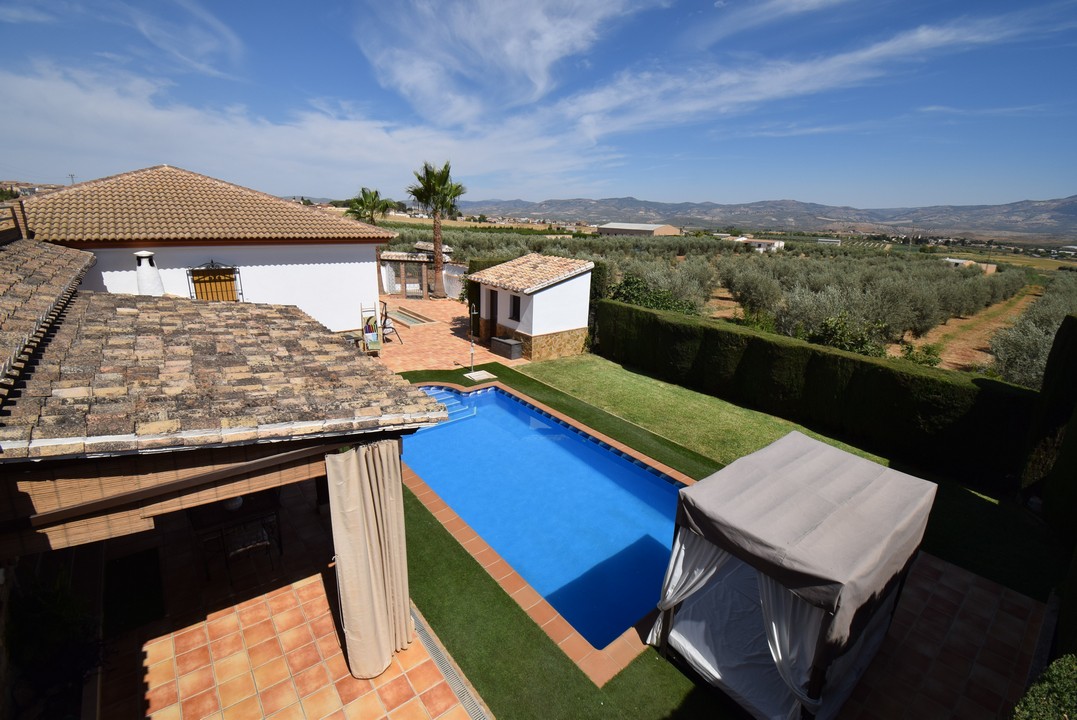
(367, 511)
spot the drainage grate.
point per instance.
(475, 711)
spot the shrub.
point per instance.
(928, 355)
(1054, 694)
(838, 332)
(757, 293)
(636, 291)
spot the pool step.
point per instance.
(456, 408)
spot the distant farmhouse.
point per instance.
(637, 229)
(987, 268)
(207, 239)
(761, 246)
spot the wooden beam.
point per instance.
(74, 512)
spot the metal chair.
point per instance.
(387, 326)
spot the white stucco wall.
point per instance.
(562, 307)
(328, 282)
(554, 309)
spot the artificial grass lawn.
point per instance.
(702, 423)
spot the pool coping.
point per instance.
(600, 665)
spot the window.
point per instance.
(514, 308)
(213, 281)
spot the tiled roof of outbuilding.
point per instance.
(125, 373)
(165, 203)
(531, 273)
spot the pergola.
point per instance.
(118, 409)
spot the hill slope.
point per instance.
(1044, 220)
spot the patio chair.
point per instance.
(372, 336)
(387, 326)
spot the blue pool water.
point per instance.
(587, 527)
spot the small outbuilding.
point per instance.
(538, 301)
(786, 569)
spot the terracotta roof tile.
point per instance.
(128, 372)
(168, 204)
(35, 279)
(531, 273)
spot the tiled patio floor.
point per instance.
(441, 345)
(960, 646)
(260, 642)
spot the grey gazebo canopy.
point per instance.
(824, 532)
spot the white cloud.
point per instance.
(696, 92)
(16, 13)
(454, 62)
(1004, 111)
(194, 37)
(69, 121)
(735, 18)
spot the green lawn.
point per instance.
(520, 673)
(702, 423)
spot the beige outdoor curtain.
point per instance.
(367, 509)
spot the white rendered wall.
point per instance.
(562, 307)
(328, 282)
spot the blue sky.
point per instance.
(867, 103)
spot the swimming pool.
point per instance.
(589, 528)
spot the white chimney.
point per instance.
(147, 275)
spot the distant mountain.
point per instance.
(1032, 220)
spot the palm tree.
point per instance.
(368, 205)
(437, 194)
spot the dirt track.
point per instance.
(965, 341)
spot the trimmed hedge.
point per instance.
(1060, 488)
(1054, 695)
(1057, 401)
(971, 427)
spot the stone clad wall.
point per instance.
(539, 347)
(553, 345)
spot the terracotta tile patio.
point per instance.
(259, 639)
(440, 345)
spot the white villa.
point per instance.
(212, 240)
